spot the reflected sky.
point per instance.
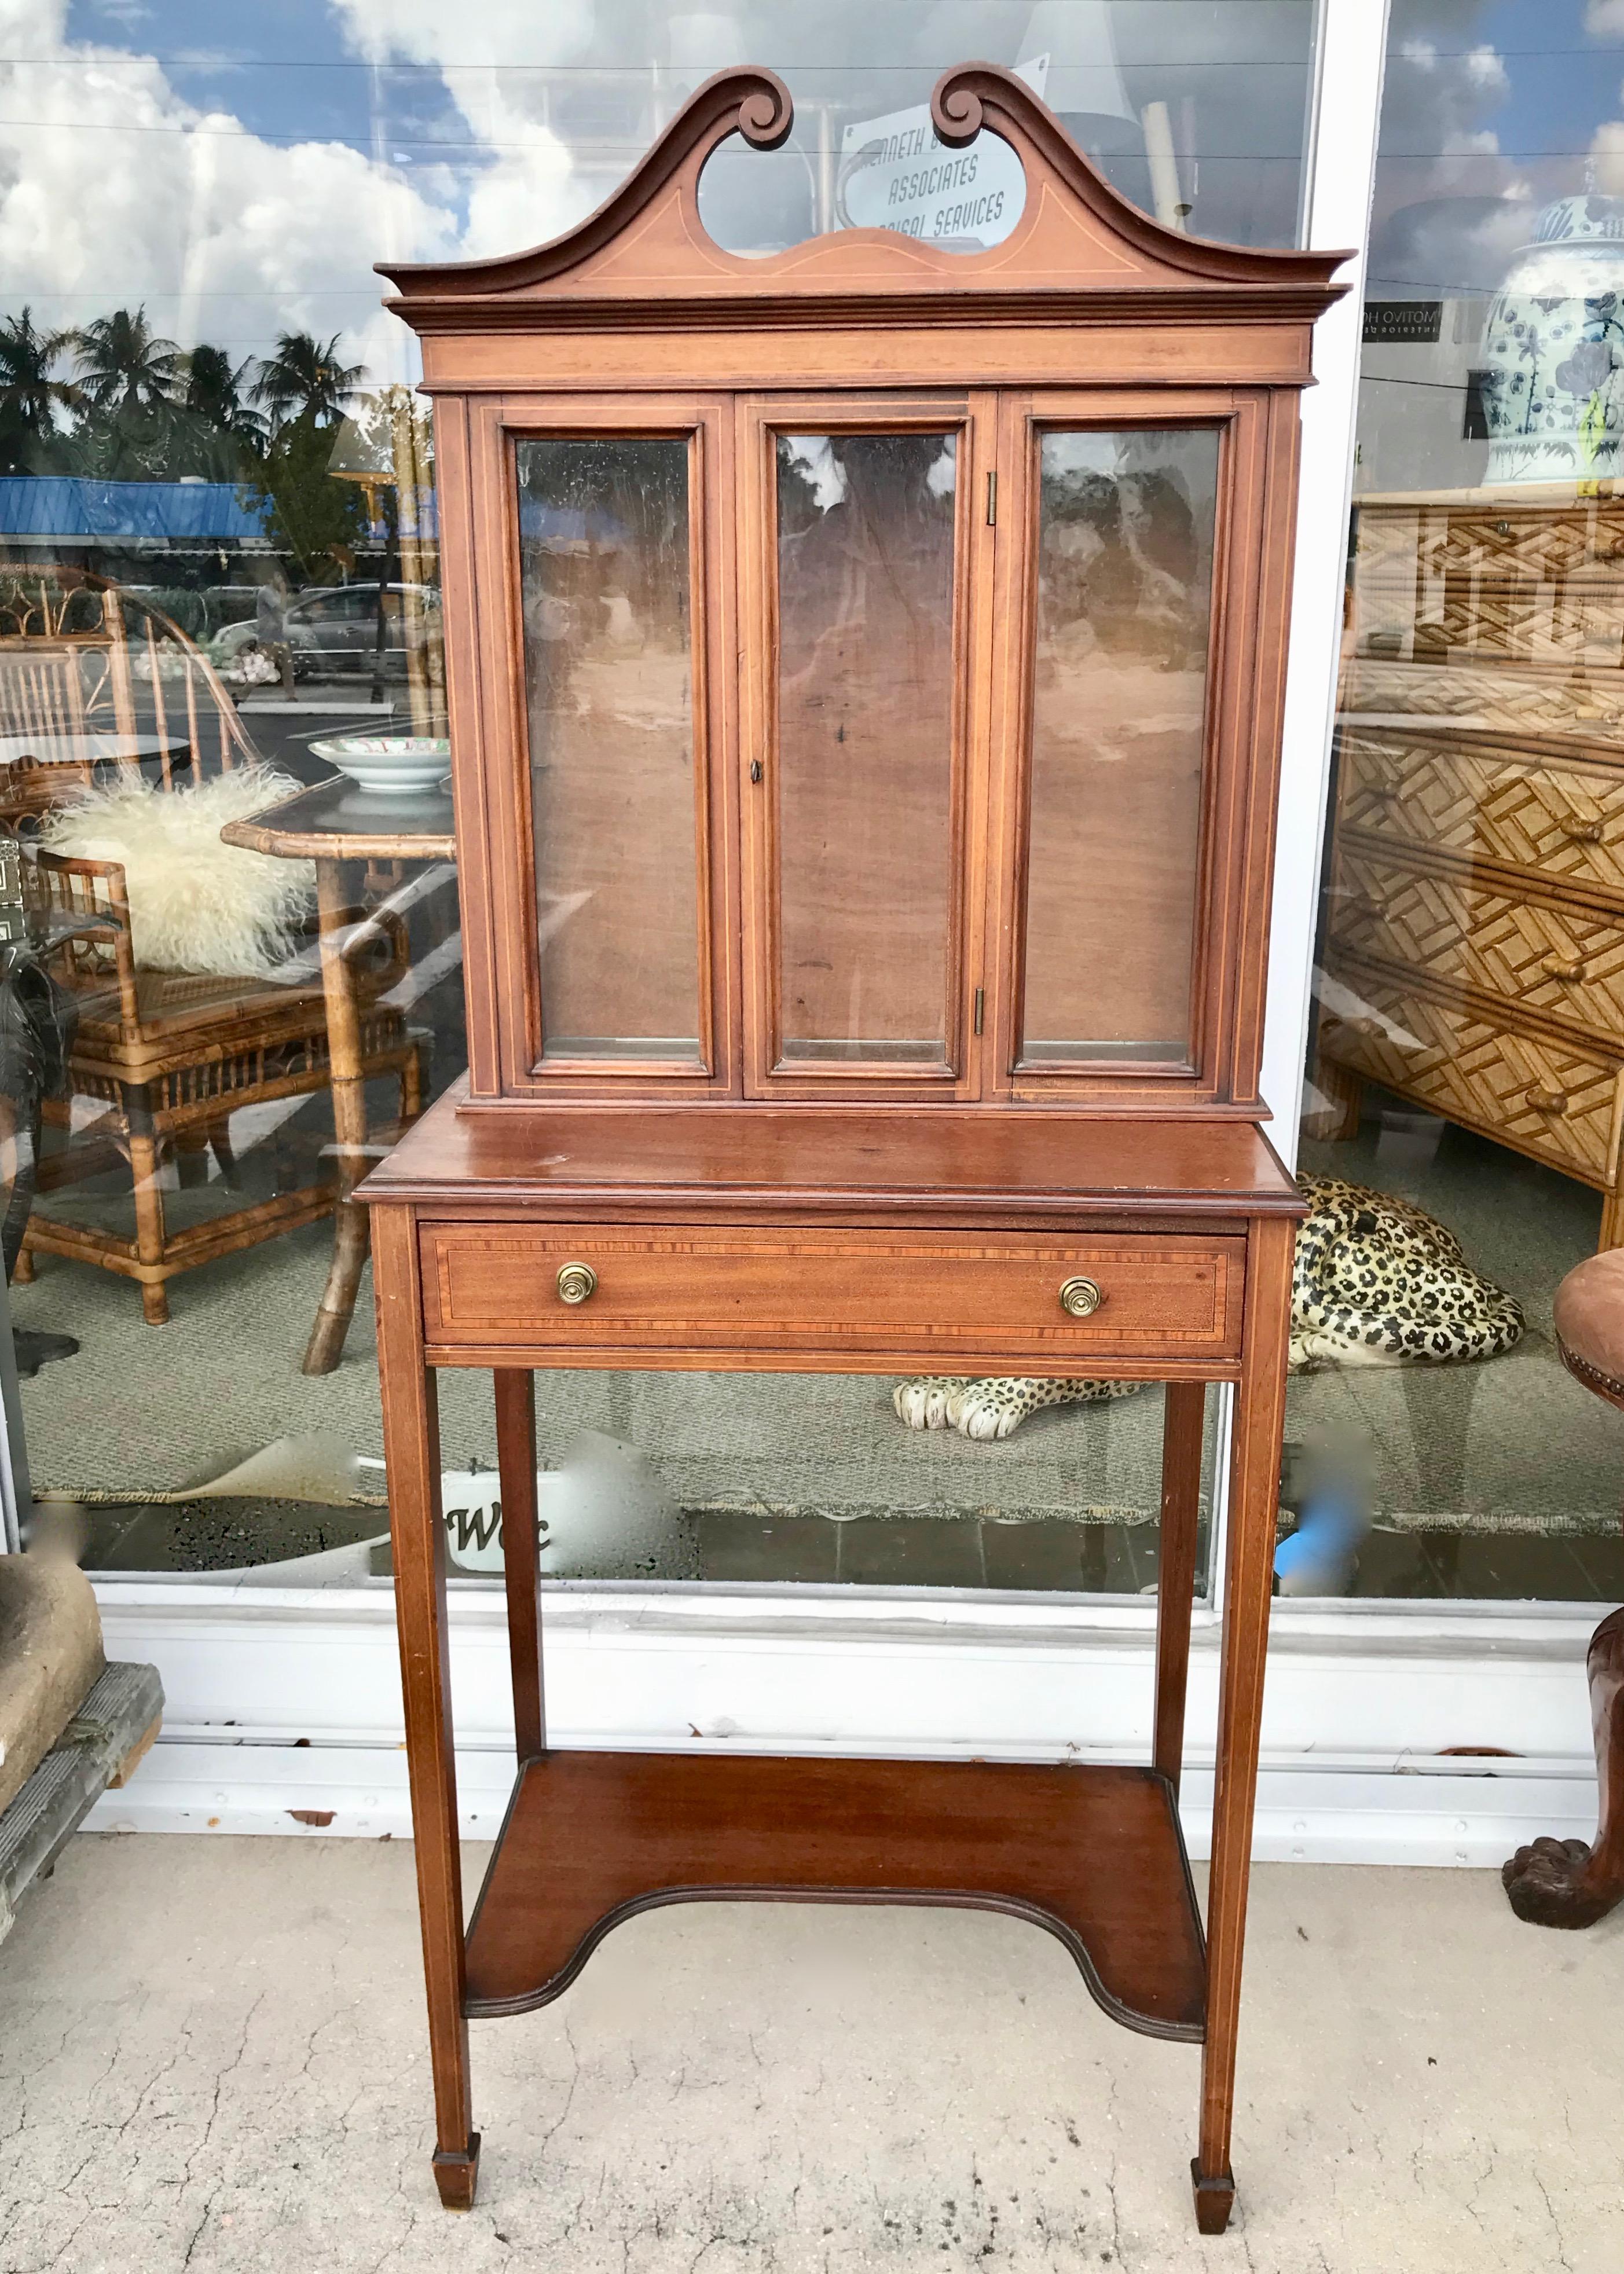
(240, 170)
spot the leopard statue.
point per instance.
(1375, 1281)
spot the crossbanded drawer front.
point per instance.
(1565, 961)
(1552, 820)
(1555, 1101)
(670, 1286)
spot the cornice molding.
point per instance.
(1079, 253)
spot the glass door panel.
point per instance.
(865, 767)
(605, 590)
(1124, 563)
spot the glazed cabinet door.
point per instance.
(865, 554)
(614, 845)
(1131, 539)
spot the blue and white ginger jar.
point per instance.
(1553, 387)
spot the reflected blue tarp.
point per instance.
(71, 507)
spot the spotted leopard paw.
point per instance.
(923, 1402)
(990, 1410)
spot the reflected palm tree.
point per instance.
(306, 379)
(217, 390)
(30, 393)
(124, 365)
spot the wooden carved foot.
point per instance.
(1562, 1882)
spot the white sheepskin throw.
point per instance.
(195, 904)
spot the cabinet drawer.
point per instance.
(1552, 820)
(919, 1296)
(1567, 962)
(1557, 1102)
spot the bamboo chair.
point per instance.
(168, 1056)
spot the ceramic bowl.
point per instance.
(389, 766)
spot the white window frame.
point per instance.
(280, 1698)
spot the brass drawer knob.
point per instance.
(1581, 833)
(1553, 1102)
(575, 1282)
(1080, 1296)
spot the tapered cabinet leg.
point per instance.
(515, 1461)
(1562, 1882)
(1184, 1415)
(1249, 1564)
(411, 1447)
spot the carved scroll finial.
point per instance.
(766, 113)
(955, 107)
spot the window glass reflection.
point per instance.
(1125, 525)
(865, 744)
(604, 564)
(1464, 1083)
(218, 550)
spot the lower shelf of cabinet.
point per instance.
(1093, 1855)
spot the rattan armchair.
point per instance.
(169, 1057)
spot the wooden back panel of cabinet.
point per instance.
(865, 662)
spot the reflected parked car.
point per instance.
(332, 630)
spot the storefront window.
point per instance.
(219, 588)
(1467, 1064)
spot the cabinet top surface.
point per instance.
(927, 1163)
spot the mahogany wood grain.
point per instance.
(1095, 1854)
(866, 1164)
(417, 1534)
(1183, 1419)
(1249, 1570)
(1053, 339)
(815, 1291)
(515, 1464)
(473, 661)
(882, 1219)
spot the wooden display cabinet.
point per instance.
(865, 669)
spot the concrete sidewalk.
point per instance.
(213, 2056)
